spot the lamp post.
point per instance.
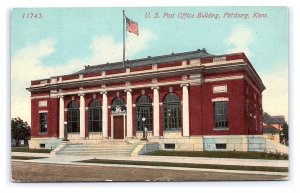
(144, 131)
(65, 131)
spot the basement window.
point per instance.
(221, 146)
(169, 145)
(42, 146)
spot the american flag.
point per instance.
(132, 26)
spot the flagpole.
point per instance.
(124, 38)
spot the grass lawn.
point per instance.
(188, 165)
(221, 154)
(26, 157)
(26, 149)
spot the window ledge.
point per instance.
(174, 130)
(43, 133)
(143, 131)
(95, 132)
(221, 129)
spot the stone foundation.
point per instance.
(44, 143)
(173, 140)
(225, 143)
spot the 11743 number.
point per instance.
(32, 15)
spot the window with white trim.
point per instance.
(95, 116)
(221, 114)
(43, 122)
(144, 110)
(172, 112)
(73, 118)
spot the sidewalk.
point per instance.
(73, 160)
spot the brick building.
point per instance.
(186, 101)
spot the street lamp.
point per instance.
(145, 133)
(65, 131)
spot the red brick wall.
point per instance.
(140, 68)
(92, 87)
(171, 64)
(206, 60)
(195, 106)
(169, 79)
(236, 118)
(224, 74)
(140, 82)
(40, 94)
(116, 84)
(34, 118)
(70, 77)
(91, 74)
(52, 117)
(116, 71)
(254, 127)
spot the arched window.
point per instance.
(73, 125)
(95, 116)
(172, 112)
(118, 102)
(144, 113)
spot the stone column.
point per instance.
(155, 111)
(185, 111)
(129, 113)
(104, 115)
(61, 117)
(82, 115)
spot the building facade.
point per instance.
(184, 101)
(273, 126)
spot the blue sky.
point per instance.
(66, 39)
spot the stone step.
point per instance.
(103, 148)
(92, 152)
(98, 149)
(130, 147)
(98, 146)
(95, 154)
(97, 142)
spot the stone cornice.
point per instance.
(153, 74)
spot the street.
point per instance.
(40, 172)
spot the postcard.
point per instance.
(141, 94)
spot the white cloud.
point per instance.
(27, 65)
(239, 40)
(106, 49)
(275, 97)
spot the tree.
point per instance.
(20, 130)
(284, 135)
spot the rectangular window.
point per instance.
(42, 146)
(43, 122)
(169, 145)
(221, 146)
(221, 114)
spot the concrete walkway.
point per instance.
(64, 159)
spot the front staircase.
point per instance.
(107, 148)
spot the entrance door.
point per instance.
(118, 127)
